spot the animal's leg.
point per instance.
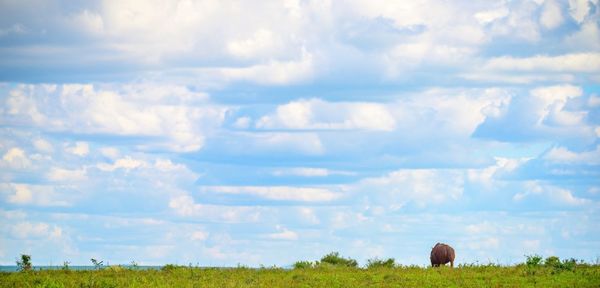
(452, 264)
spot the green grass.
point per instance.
(465, 276)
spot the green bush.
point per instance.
(377, 263)
(168, 267)
(533, 260)
(552, 261)
(303, 265)
(334, 259)
(25, 263)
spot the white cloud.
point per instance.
(560, 93)
(22, 195)
(16, 158)
(555, 194)
(89, 22)
(199, 235)
(308, 194)
(318, 114)
(309, 172)
(420, 186)
(126, 163)
(39, 195)
(481, 228)
(553, 99)
(488, 176)
(488, 16)
(564, 155)
(303, 143)
(142, 110)
(110, 152)
(259, 44)
(185, 206)
(28, 230)
(579, 9)
(283, 234)
(586, 39)
(308, 215)
(66, 175)
(80, 149)
(242, 123)
(551, 16)
(274, 72)
(574, 62)
(485, 243)
(43, 145)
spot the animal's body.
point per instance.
(442, 254)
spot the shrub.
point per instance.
(335, 259)
(377, 263)
(97, 264)
(65, 266)
(533, 260)
(552, 261)
(303, 265)
(569, 264)
(25, 263)
(168, 267)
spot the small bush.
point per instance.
(377, 263)
(65, 266)
(303, 265)
(25, 263)
(97, 264)
(533, 260)
(168, 267)
(335, 259)
(552, 261)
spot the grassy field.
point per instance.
(465, 276)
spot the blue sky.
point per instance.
(218, 133)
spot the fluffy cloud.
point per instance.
(28, 230)
(279, 42)
(143, 110)
(283, 234)
(318, 114)
(541, 114)
(281, 193)
(420, 186)
(16, 158)
(126, 163)
(574, 62)
(38, 195)
(579, 9)
(586, 39)
(564, 155)
(185, 206)
(80, 149)
(67, 175)
(555, 194)
(43, 146)
(551, 15)
(309, 172)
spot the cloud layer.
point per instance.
(266, 133)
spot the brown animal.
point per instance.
(442, 254)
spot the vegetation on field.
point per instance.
(25, 263)
(332, 270)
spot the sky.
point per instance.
(220, 133)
